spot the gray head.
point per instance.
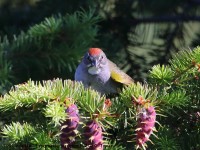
(95, 60)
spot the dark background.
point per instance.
(135, 34)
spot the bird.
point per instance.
(99, 73)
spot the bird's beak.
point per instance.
(95, 63)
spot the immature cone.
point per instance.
(145, 125)
(68, 128)
(93, 136)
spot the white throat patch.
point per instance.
(93, 70)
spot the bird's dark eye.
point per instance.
(89, 58)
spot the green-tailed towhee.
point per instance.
(99, 73)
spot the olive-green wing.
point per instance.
(118, 75)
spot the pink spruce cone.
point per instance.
(68, 128)
(93, 136)
(145, 125)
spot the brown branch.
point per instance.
(164, 19)
(112, 22)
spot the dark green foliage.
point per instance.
(179, 96)
(166, 140)
(140, 34)
(49, 49)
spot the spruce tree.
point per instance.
(165, 111)
(47, 113)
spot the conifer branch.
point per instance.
(54, 45)
(17, 132)
(53, 98)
